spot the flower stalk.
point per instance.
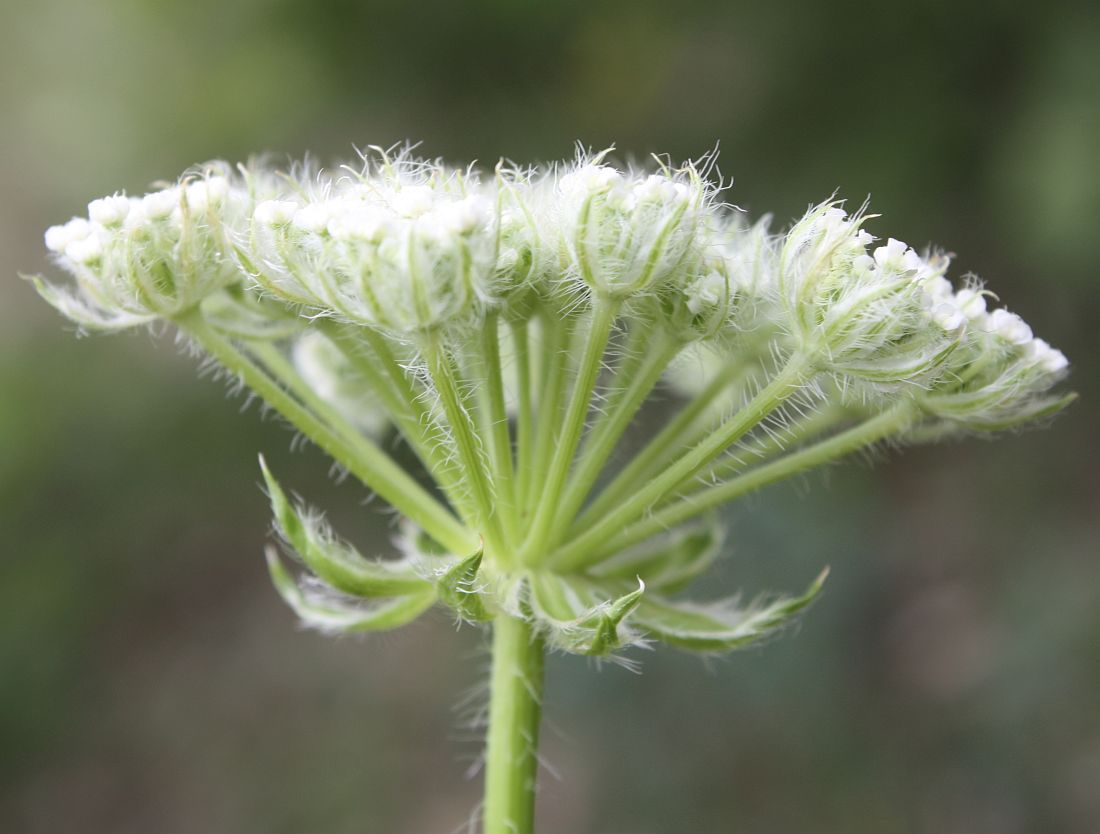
(515, 708)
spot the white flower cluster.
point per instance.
(623, 234)
(883, 321)
(1001, 372)
(407, 248)
(861, 312)
(137, 259)
(410, 247)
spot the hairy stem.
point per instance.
(858, 437)
(603, 318)
(788, 380)
(388, 380)
(278, 366)
(441, 366)
(657, 451)
(524, 418)
(511, 757)
(555, 341)
(765, 448)
(636, 381)
(361, 457)
(500, 441)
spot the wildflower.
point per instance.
(510, 328)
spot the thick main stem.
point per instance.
(511, 758)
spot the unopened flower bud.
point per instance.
(971, 302)
(408, 248)
(1009, 327)
(624, 234)
(886, 320)
(109, 211)
(275, 212)
(85, 250)
(59, 237)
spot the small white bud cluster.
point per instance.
(746, 257)
(136, 259)
(408, 249)
(626, 234)
(527, 258)
(1001, 373)
(863, 315)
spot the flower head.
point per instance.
(403, 246)
(137, 259)
(456, 305)
(864, 314)
(624, 234)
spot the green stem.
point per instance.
(769, 447)
(449, 472)
(635, 380)
(363, 458)
(511, 758)
(390, 382)
(500, 440)
(524, 418)
(283, 370)
(577, 553)
(442, 369)
(858, 437)
(656, 452)
(556, 336)
(603, 318)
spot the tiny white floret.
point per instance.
(160, 204)
(275, 212)
(85, 250)
(313, 218)
(413, 200)
(58, 237)
(1010, 327)
(892, 254)
(109, 211)
(971, 302)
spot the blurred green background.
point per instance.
(150, 680)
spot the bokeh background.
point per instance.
(946, 682)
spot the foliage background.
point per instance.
(151, 681)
